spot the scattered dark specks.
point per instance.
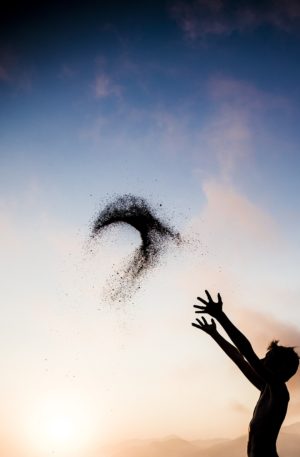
(154, 234)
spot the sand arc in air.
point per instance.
(155, 235)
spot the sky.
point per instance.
(194, 106)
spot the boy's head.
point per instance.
(281, 360)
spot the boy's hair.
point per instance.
(287, 358)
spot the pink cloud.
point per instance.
(240, 408)
(104, 87)
(227, 89)
(235, 212)
(67, 72)
(242, 94)
(201, 18)
(262, 328)
(13, 72)
(8, 63)
(229, 134)
(227, 137)
(4, 75)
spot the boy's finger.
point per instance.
(202, 300)
(195, 325)
(208, 295)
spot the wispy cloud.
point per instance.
(235, 212)
(239, 407)
(104, 87)
(263, 328)
(4, 74)
(202, 18)
(230, 132)
(243, 94)
(227, 137)
(67, 71)
(8, 64)
(13, 72)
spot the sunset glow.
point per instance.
(60, 424)
(193, 106)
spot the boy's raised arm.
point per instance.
(232, 352)
(215, 309)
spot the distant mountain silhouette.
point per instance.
(293, 428)
(174, 446)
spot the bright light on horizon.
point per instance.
(62, 425)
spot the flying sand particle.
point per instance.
(154, 233)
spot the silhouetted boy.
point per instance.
(269, 375)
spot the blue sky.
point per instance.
(143, 64)
(194, 105)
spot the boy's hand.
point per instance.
(210, 307)
(211, 328)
